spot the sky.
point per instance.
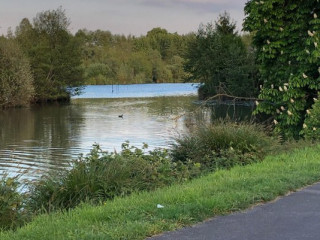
(135, 17)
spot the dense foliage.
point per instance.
(286, 35)
(117, 59)
(220, 60)
(16, 80)
(223, 145)
(12, 213)
(101, 175)
(311, 126)
(54, 55)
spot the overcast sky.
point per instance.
(134, 17)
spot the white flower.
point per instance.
(285, 88)
(268, 42)
(305, 125)
(282, 108)
(314, 129)
(277, 110)
(281, 29)
(314, 99)
(289, 113)
(281, 52)
(304, 75)
(315, 44)
(286, 84)
(310, 33)
(291, 100)
(265, 20)
(273, 86)
(260, 86)
(261, 2)
(264, 49)
(315, 16)
(257, 103)
(275, 122)
(289, 62)
(308, 111)
(307, 51)
(280, 89)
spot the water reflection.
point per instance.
(44, 138)
(38, 138)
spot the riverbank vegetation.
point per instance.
(102, 176)
(222, 192)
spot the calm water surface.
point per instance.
(41, 138)
(139, 90)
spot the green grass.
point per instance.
(136, 216)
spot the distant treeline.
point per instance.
(156, 57)
(42, 61)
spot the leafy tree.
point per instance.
(219, 59)
(159, 40)
(311, 126)
(54, 55)
(16, 80)
(108, 58)
(286, 35)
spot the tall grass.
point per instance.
(223, 145)
(137, 217)
(12, 211)
(101, 175)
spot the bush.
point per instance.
(12, 213)
(311, 126)
(101, 175)
(223, 145)
(16, 79)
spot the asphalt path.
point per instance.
(293, 217)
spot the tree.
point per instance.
(54, 55)
(286, 36)
(219, 59)
(16, 80)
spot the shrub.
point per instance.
(101, 175)
(16, 79)
(12, 213)
(311, 127)
(223, 145)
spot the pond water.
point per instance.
(41, 138)
(139, 90)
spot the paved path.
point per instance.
(294, 217)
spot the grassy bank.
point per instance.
(137, 217)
